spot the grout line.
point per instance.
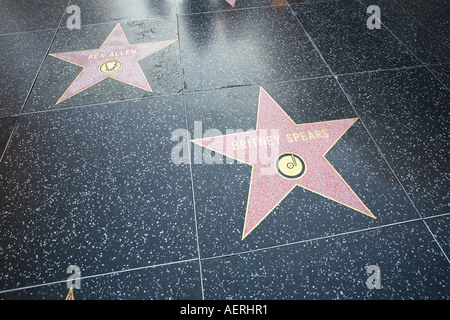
(25, 32)
(438, 64)
(100, 103)
(313, 239)
(101, 275)
(329, 237)
(190, 163)
(126, 20)
(258, 84)
(423, 63)
(420, 23)
(434, 75)
(162, 95)
(232, 9)
(435, 239)
(43, 60)
(437, 216)
(367, 129)
(216, 89)
(177, 11)
(351, 104)
(177, 14)
(273, 82)
(381, 70)
(409, 50)
(230, 254)
(16, 123)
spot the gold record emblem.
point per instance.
(290, 166)
(111, 66)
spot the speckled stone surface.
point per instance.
(439, 226)
(245, 47)
(21, 55)
(442, 72)
(94, 12)
(415, 36)
(339, 30)
(410, 263)
(407, 114)
(109, 180)
(90, 187)
(432, 14)
(6, 128)
(221, 191)
(161, 69)
(176, 281)
(193, 6)
(24, 15)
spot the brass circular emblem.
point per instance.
(290, 166)
(111, 66)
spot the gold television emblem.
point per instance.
(110, 66)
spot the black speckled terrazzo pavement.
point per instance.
(107, 164)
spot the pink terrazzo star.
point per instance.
(283, 155)
(231, 2)
(115, 59)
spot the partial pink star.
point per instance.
(276, 135)
(115, 47)
(231, 2)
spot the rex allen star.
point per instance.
(115, 59)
